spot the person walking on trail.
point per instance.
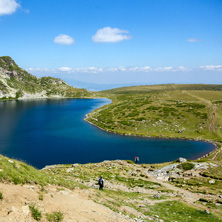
(101, 183)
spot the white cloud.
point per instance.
(64, 39)
(193, 40)
(89, 70)
(109, 34)
(65, 69)
(40, 70)
(212, 67)
(164, 69)
(8, 7)
(140, 69)
(135, 69)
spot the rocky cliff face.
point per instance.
(16, 83)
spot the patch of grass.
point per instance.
(130, 161)
(41, 197)
(147, 111)
(186, 166)
(132, 182)
(177, 211)
(55, 216)
(35, 212)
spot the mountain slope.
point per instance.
(17, 83)
(178, 111)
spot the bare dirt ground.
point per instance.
(74, 204)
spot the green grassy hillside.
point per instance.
(16, 82)
(178, 111)
(130, 189)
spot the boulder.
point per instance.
(211, 181)
(69, 170)
(157, 196)
(182, 160)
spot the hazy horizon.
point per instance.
(115, 42)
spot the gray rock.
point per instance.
(157, 196)
(213, 165)
(182, 160)
(69, 170)
(211, 181)
(201, 166)
(11, 210)
(25, 210)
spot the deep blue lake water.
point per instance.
(44, 132)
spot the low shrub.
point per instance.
(186, 166)
(36, 214)
(130, 161)
(40, 196)
(55, 216)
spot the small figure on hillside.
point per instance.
(136, 159)
(101, 183)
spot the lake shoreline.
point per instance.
(214, 143)
(207, 148)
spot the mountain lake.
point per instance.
(53, 131)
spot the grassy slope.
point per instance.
(22, 81)
(129, 189)
(163, 111)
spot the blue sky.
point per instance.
(115, 42)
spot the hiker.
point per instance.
(101, 183)
(136, 159)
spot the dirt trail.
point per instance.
(188, 196)
(216, 154)
(74, 204)
(212, 110)
(200, 98)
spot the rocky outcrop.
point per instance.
(16, 83)
(173, 171)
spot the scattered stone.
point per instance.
(157, 196)
(75, 165)
(213, 165)
(25, 210)
(182, 160)
(11, 210)
(134, 173)
(10, 161)
(211, 181)
(163, 178)
(69, 170)
(201, 166)
(31, 187)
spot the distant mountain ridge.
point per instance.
(16, 83)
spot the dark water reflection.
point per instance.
(44, 132)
